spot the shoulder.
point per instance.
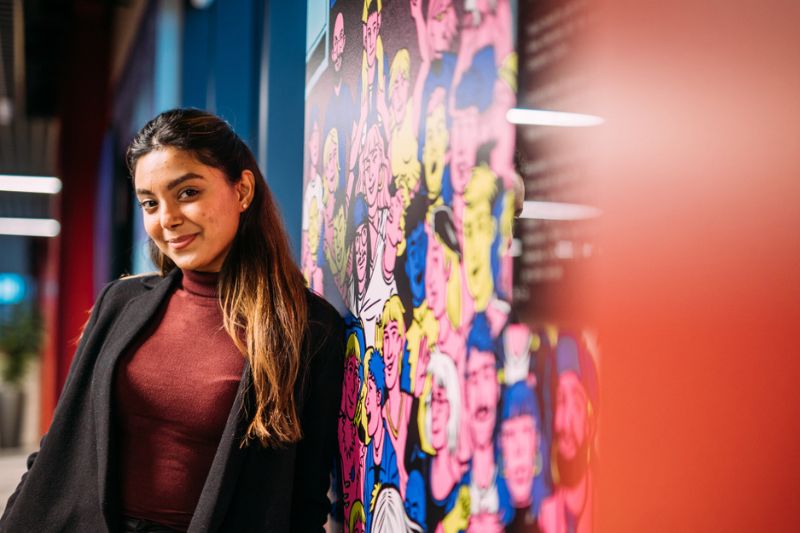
(119, 292)
(326, 328)
(128, 287)
(322, 313)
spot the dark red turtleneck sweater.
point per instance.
(173, 393)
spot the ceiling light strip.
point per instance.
(544, 117)
(34, 184)
(29, 227)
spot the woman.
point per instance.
(163, 425)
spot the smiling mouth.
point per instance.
(181, 242)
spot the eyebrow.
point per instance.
(174, 183)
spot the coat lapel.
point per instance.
(132, 319)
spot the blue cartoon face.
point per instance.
(417, 249)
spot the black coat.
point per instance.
(72, 482)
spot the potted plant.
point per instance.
(20, 341)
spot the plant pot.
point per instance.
(12, 403)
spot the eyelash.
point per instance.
(184, 194)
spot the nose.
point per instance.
(170, 215)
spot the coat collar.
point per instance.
(133, 318)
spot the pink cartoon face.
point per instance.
(393, 342)
(375, 166)
(337, 50)
(440, 414)
(441, 23)
(361, 257)
(331, 164)
(373, 405)
(435, 277)
(464, 141)
(518, 443)
(371, 30)
(571, 421)
(394, 220)
(351, 386)
(482, 393)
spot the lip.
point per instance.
(181, 242)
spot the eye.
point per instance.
(147, 205)
(188, 193)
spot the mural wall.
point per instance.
(449, 406)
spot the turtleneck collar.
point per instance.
(202, 284)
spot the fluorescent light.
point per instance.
(557, 211)
(36, 184)
(544, 117)
(30, 227)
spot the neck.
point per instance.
(483, 465)
(577, 498)
(389, 259)
(377, 441)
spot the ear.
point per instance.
(245, 189)
(364, 34)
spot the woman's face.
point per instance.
(191, 211)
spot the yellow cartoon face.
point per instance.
(313, 227)
(338, 252)
(479, 232)
(435, 149)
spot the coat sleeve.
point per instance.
(79, 352)
(316, 450)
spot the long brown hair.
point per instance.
(261, 290)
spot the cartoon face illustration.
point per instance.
(373, 404)
(339, 252)
(434, 152)
(395, 220)
(361, 250)
(351, 379)
(399, 74)
(440, 414)
(371, 29)
(483, 392)
(571, 421)
(375, 166)
(393, 343)
(330, 156)
(375, 394)
(314, 220)
(337, 49)
(464, 143)
(442, 403)
(479, 226)
(417, 249)
(519, 444)
(436, 274)
(441, 25)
